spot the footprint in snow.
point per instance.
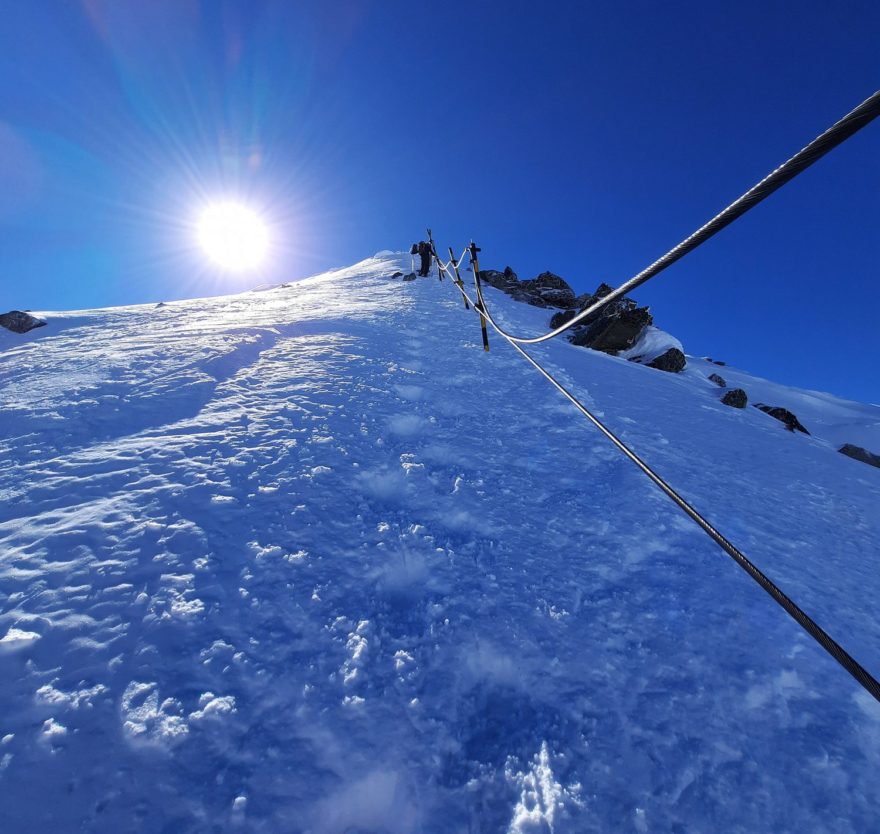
(407, 425)
(410, 392)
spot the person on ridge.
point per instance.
(424, 250)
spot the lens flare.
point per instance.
(233, 236)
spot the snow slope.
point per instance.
(309, 560)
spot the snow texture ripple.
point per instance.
(309, 560)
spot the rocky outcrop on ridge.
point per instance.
(614, 328)
(718, 380)
(547, 290)
(20, 322)
(858, 453)
(783, 415)
(558, 319)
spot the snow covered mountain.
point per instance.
(309, 560)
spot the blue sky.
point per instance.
(584, 138)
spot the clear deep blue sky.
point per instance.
(585, 138)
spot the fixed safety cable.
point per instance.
(831, 646)
(854, 121)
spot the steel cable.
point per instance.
(854, 121)
(865, 679)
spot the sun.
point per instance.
(233, 236)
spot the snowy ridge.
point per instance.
(308, 560)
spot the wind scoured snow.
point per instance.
(309, 560)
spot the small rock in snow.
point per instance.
(783, 415)
(735, 398)
(858, 453)
(672, 361)
(19, 322)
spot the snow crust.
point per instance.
(308, 560)
(652, 342)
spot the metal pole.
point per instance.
(475, 265)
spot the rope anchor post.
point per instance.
(475, 265)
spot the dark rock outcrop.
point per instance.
(20, 322)
(718, 380)
(397, 275)
(547, 290)
(735, 398)
(615, 327)
(858, 453)
(613, 330)
(500, 280)
(552, 289)
(411, 276)
(783, 415)
(672, 361)
(558, 319)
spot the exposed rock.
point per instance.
(718, 380)
(552, 290)
(500, 280)
(858, 453)
(613, 330)
(410, 276)
(717, 362)
(551, 281)
(19, 322)
(557, 298)
(547, 290)
(397, 275)
(529, 298)
(735, 398)
(783, 415)
(161, 304)
(558, 319)
(672, 361)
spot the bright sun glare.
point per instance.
(233, 236)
